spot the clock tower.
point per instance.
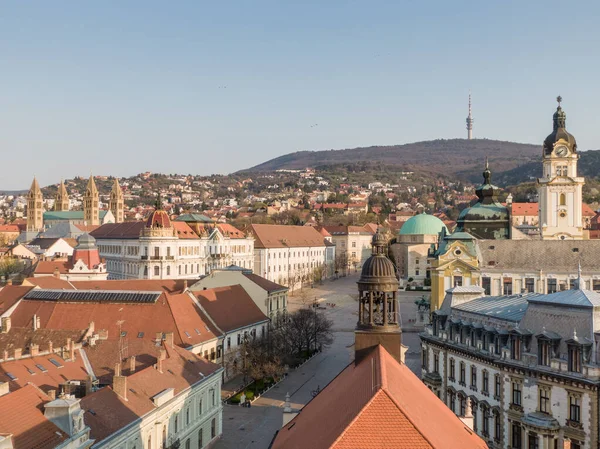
(559, 188)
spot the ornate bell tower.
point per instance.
(61, 202)
(117, 202)
(35, 208)
(560, 189)
(378, 322)
(91, 203)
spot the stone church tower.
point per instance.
(91, 203)
(378, 322)
(560, 189)
(117, 202)
(35, 208)
(61, 202)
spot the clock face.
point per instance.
(561, 151)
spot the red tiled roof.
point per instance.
(183, 230)
(400, 412)
(9, 228)
(48, 266)
(532, 209)
(282, 236)
(31, 429)
(126, 230)
(181, 370)
(10, 294)
(230, 307)
(87, 228)
(49, 282)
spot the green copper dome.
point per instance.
(423, 224)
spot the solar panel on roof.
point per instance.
(93, 296)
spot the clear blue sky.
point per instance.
(119, 87)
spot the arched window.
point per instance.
(563, 199)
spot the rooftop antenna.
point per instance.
(123, 346)
(579, 280)
(470, 120)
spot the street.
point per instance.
(254, 427)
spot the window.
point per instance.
(452, 369)
(149, 441)
(563, 199)
(497, 426)
(424, 358)
(214, 402)
(436, 363)
(213, 428)
(458, 281)
(463, 405)
(156, 271)
(552, 286)
(515, 348)
(516, 436)
(574, 408)
(168, 271)
(544, 352)
(486, 421)
(486, 382)
(200, 407)
(462, 373)
(156, 252)
(228, 342)
(516, 393)
(200, 439)
(532, 441)
(417, 261)
(176, 424)
(544, 399)
(486, 284)
(507, 286)
(187, 416)
(574, 359)
(354, 245)
(473, 377)
(529, 285)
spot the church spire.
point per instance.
(61, 201)
(35, 207)
(470, 121)
(117, 202)
(91, 203)
(560, 117)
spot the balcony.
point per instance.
(156, 257)
(170, 257)
(144, 257)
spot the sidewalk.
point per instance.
(231, 386)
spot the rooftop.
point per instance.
(508, 308)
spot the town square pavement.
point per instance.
(254, 428)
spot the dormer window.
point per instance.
(544, 352)
(574, 353)
(515, 348)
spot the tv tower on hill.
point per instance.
(470, 121)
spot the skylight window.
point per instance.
(140, 334)
(197, 331)
(41, 368)
(11, 376)
(123, 333)
(187, 334)
(55, 363)
(30, 371)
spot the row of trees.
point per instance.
(295, 336)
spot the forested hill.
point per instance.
(454, 157)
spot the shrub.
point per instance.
(235, 399)
(249, 395)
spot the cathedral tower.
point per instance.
(91, 203)
(61, 202)
(378, 304)
(117, 202)
(470, 121)
(35, 208)
(560, 189)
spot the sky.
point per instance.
(119, 88)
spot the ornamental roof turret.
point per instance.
(378, 272)
(559, 131)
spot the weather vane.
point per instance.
(559, 99)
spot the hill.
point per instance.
(451, 157)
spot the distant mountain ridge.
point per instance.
(454, 157)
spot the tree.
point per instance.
(9, 266)
(306, 330)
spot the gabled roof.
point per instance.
(22, 415)
(230, 307)
(376, 403)
(184, 231)
(48, 266)
(10, 294)
(282, 236)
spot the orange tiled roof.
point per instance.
(400, 412)
(180, 371)
(10, 294)
(48, 266)
(9, 228)
(532, 209)
(31, 429)
(183, 230)
(282, 236)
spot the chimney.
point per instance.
(120, 382)
(5, 324)
(50, 347)
(169, 339)
(34, 350)
(158, 338)
(5, 354)
(35, 321)
(52, 394)
(88, 385)
(132, 364)
(118, 369)
(72, 351)
(9, 282)
(159, 363)
(468, 418)
(56, 273)
(18, 353)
